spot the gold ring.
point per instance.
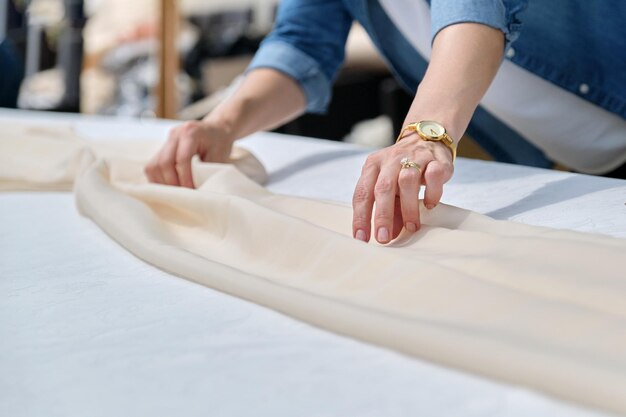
(407, 163)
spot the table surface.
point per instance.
(88, 329)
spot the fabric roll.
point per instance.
(539, 307)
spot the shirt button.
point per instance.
(583, 88)
(510, 53)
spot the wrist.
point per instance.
(451, 112)
(219, 127)
(464, 60)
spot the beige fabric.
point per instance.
(534, 306)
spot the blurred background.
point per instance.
(177, 60)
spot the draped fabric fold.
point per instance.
(540, 307)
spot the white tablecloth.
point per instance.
(86, 329)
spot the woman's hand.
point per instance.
(172, 164)
(265, 99)
(464, 60)
(395, 189)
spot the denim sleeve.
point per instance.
(499, 14)
(307, 44)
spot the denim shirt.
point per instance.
(579, 45)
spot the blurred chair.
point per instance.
(57, 88)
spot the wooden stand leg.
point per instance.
(166, 94)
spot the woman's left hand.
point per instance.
(395, 189)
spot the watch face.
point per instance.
(431, 129)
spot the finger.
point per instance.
(385, 196)
(435, 175)
(187, 148)
(153, 172)
(167, 161)
(397, 218)
(363, 200)
(152, 169)
(409, 187)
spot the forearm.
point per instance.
(265, 99)
(464, 61)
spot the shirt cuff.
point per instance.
(289, 60)
(492, 13)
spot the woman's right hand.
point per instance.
(172, 164)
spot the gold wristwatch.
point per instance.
(431, 131)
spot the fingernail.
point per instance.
(411, 227)
(360, 235)
(383, 235)
(430, 206)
